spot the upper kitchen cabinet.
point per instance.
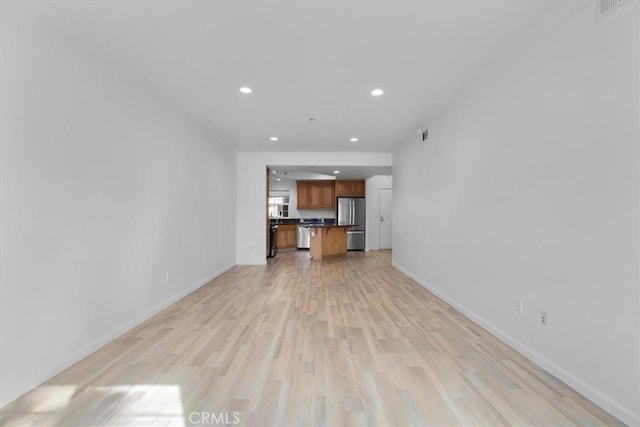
(304, 195)
(316, 195)
(351, 188)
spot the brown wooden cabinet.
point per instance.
(304, 195)
(286, 236)
(316, 195)
(329, 195)
(351, 188)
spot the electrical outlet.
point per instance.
(519, 307)
(544, 318)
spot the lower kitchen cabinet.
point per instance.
(286, 236)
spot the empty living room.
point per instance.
(320, 213)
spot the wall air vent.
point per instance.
(605, 7)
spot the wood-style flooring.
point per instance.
(344, 341)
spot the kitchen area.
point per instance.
(318, 213)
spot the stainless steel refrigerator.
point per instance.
(350, 210)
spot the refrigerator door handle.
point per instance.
(351, 219)
(353, 211)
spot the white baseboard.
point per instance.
(80, 354)
(624, 414)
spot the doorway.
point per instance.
(385, 201)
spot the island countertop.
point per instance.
(327, 225)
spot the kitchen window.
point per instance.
(279, 204)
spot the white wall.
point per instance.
(103, 191)
(373, 186)
(251, 184)
(528, 189)
(291, 185)
(638, 175)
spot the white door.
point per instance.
(386, 202)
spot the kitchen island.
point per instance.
(328, 240)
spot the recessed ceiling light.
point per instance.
(336, 172)
(245, 89)
(278, 179)
(354, 140)
(273, 138)
(377, 92)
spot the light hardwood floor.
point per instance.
(345, 341)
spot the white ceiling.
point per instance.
(302, 59)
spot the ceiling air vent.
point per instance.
(605, 7)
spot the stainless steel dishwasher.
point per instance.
(303, 237)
